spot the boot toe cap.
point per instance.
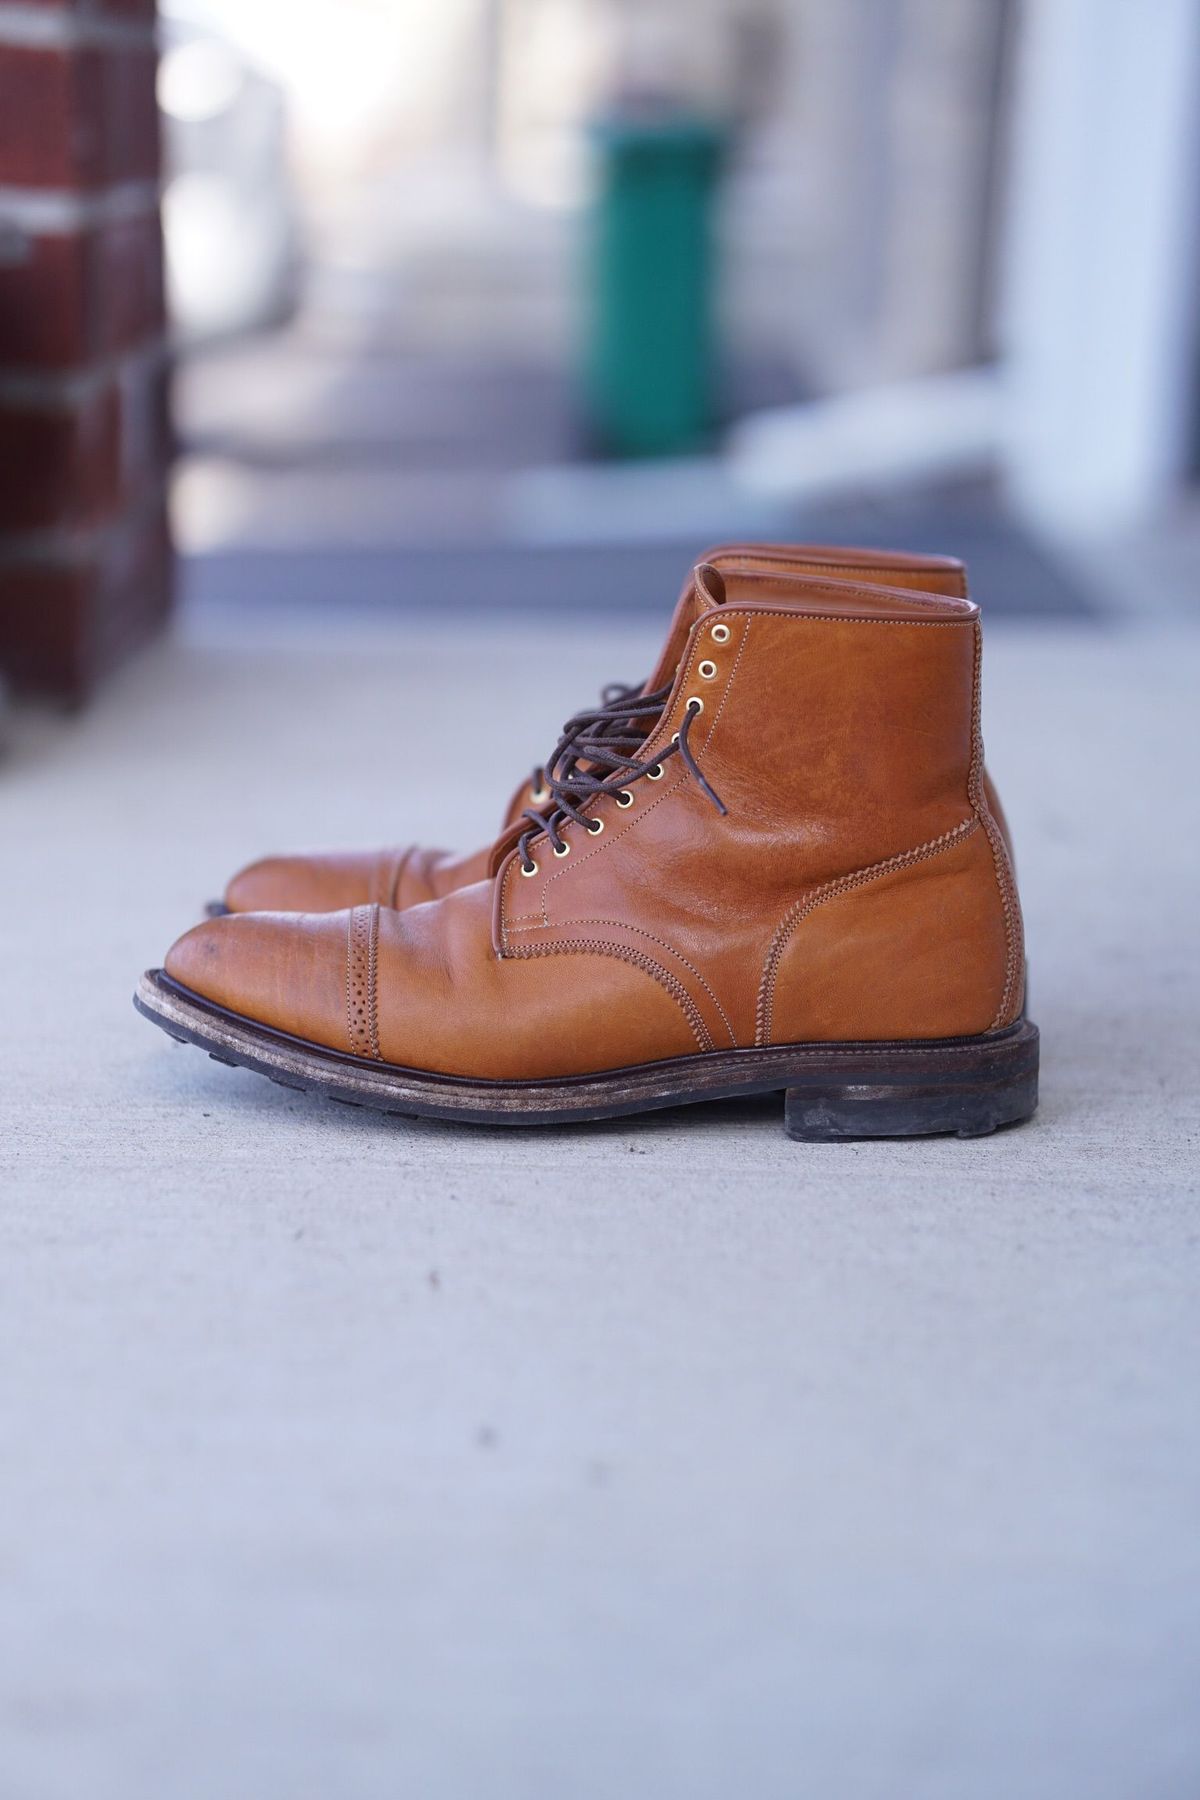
(284, 970)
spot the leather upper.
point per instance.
(402, 877)
(856, 885)
(324, 883)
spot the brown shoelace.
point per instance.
(592, 717)
(605, 738)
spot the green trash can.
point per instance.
(650, 348)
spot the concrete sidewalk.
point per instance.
(348, 1459)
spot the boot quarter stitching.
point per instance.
(635, 959)
(534, 922)
(833, 890)
(620, 925)
(1000, 860)
(643, 813)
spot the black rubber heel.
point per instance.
(970, 1088)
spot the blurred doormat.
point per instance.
(1012, 574)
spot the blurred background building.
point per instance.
(919, 270)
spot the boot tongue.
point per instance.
(703, 593)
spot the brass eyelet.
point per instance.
(721, 634)
(529, 869)
(595, 826)
(707, 671)
(624, 798)
(563, 849)
(695, 704)
(656, 773)
(539, 796)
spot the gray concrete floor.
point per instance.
(354, 1458)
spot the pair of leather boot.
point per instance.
(778, 865)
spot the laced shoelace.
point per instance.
(539, 792)
(605, 738)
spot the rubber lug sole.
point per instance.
(968, 1087)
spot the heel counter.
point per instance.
(917, 947)
(985, 803)
(995, 829)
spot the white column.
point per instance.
(1099, 313)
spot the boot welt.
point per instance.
(967, 1086)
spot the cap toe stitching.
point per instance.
(362, 999)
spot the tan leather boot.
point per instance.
(408, 875)
(781, 873)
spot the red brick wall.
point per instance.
(85, 559)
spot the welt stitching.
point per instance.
(620, 925)
(634, 958)
(832, 890)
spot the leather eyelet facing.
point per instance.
(563, 849)
(529, 869)
(539, 796)
(656, 773)
(721, 634)
(695, 704)
(624, 798)
(707, 671)
(595, 826)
